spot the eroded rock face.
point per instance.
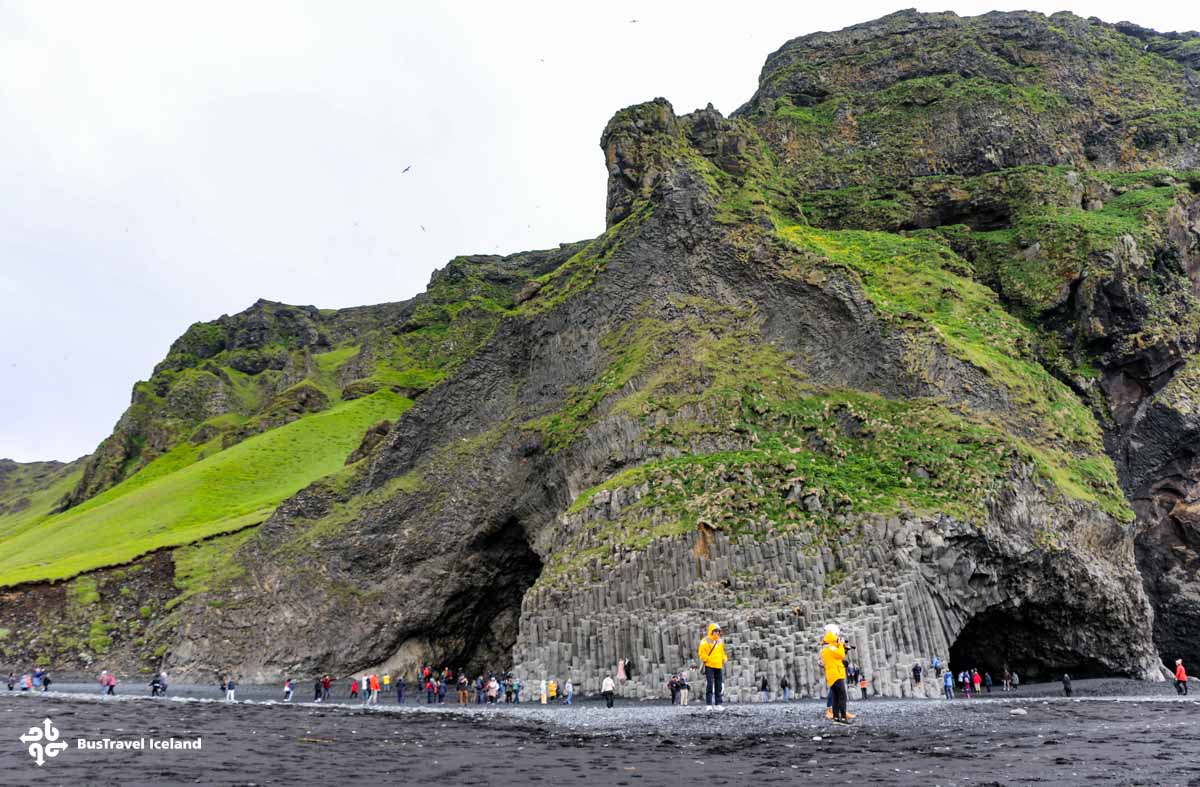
(915, 94)
(903, 589)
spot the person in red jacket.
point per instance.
(353, 688)
(1180, 677)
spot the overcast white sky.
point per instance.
(168, 162)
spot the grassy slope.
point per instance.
(221, 493)
(40, 503)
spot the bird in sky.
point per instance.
(406, 169)
(422, 227)
(633, 21)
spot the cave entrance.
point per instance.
(1024, 641)
(479, 623)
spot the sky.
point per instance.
(163, 163)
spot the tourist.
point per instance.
(987, 682)
(287, 690)
(400, 685)
(163, 676)
(712, 656)
(785, 688)
(481, 689)
(430, 690)
(37, 678)
(684, 688)
(862, 683)
(964, 678)
(46, 681)
(365, 688)
(1181, 678)
(517, 686)
(354, 688)
(441, 690)
(607, 687)
(27, 683)
(230, 689)
(1016, 680)
(317, 690)
(553, 690)
(326, 687)
(464, 686)
(387, 683)
(764, 691)
(948, 684)
(1006, 679)
(12, 680)
(937, 667)
(507, 689)
(570, 690)
(155, 686)
(1066, 682)
(976, 679)
(374, 689)
(542, 691)
(673, 688)
(493, 690)
(833, 657)
(916, 673)
(103, 682)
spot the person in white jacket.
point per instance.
(607, 688)
(543, 692)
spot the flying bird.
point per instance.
(633, 21)
(406, 169)
(422, 227)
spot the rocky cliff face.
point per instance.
(905, 344)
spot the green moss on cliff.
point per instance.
(919, 286)
(207, 564)
(1048, 247)
(580, 271)
(707, 356)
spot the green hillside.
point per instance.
(176, 500)
(26, 496)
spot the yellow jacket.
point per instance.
(712, 651)
(833, 656)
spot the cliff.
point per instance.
(905, 344)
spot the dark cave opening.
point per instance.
(479, 622)
(1025, 642)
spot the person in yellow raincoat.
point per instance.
(712, 660)
(833, 657)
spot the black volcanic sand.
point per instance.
(1114, 732)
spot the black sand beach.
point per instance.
(1113, 732)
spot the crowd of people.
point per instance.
(435, 684)
(37, 679)
(502, 687)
